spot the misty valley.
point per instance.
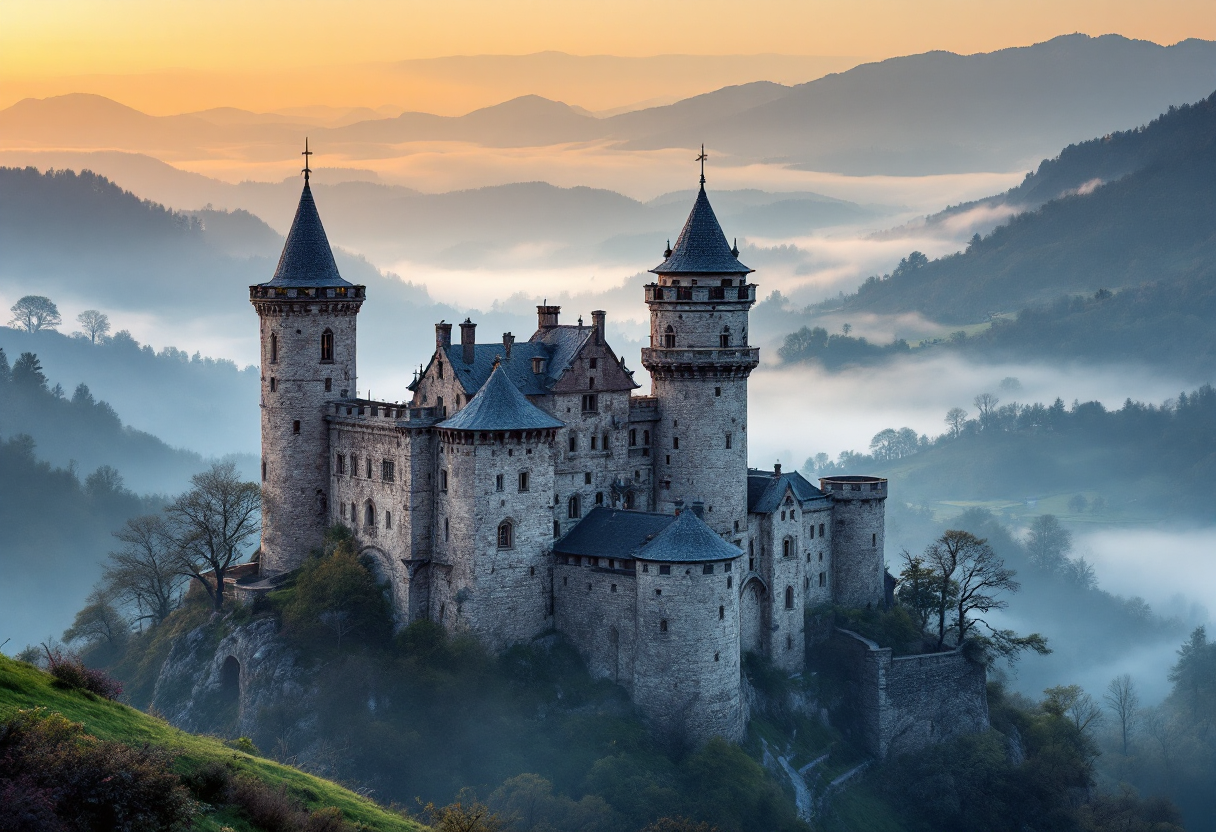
(879, 495)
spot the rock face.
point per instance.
(230, 679)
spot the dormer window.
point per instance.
(538, 366)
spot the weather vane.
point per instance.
(700, 159)
(308, 153)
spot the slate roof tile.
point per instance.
(643, 535)
(307, 260)
(701, 247)
(500, 406)
(765, 492)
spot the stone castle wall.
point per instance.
(858, 539)
(898, 705)
(686, 673)
(595, 607)
(295, 458)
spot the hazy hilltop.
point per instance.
(930, 113)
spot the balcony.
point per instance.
(736, 357)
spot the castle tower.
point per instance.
(307, 332)
(858, 524)
(699, 362)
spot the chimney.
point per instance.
(443, 335)
(546, 316)
(698, 508)
(679, 506)
(597, 318)
(468, 337)
(507, 340)
(777, 471)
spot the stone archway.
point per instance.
(230, 679)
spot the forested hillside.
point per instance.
(1143, 211)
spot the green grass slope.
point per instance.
(24, 686)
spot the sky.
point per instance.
(315, 47)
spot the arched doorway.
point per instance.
(230, 679)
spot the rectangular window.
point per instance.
(369, 467)
(388, 519)
(354, 466)
(523, 480)
(329, 385)
(675, 443)
(663, 626)
(594, 442)
(823, 579)
(874, 540)
(295, 427)
(728, 441)
(387, 472)
(707, 569)
(443, 481)
(665, 569)
(340, 464)
(594, 363)
(633, 437)
(812, 531)
(344, 511)
(590, 403)
(718, 391)
(587, 478)
(498, 482)
(604, 442)
(273, 384)
(821, 525)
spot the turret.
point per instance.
(858, 523)
(699, 361)
(307, 333)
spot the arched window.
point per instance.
(574, 508)
(669, 337)
(369, 514)
(724, 338)
(274, 348)
(327, 345)
(506, 535)
(789, 597)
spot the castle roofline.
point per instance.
(644, 535)
(701, 247)
(500, 406)
(307, 260)
(766, 489)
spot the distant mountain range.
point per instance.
(929, 113)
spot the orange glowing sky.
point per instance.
(172, 56)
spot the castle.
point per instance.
(527, 488)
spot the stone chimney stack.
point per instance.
(777, 471)
(443, 335)
(468, 338)
(597, 318)
(546, 316)
(507, 340)
(698, 508)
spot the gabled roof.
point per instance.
(701, 247)
(518, 367)
(765, 491)
(307, 260)
(563, 343)
(500, 406)
(643, 535)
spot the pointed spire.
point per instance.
(499, 405)
(701, 247)
(307, 260)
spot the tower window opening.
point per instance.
(273, 384)
(823, 578)
(707, 569)
(787, 547)
(498, 482)
(645, 437)
(633, 437)
(369, 467)
(594, 442)
(295, 427)
(327, 346)
(388, 519)
(614, 587)
(439, 370)
(789, 597)
(663, 625)
(806, 582)
(675, 443)
(821, 557)
(523, 481)
(721, 613)
(263, 470)
(599, 498)
(354, 466)
(388, 471)
(369, 514)
(573, 442)
(591, 382)
(574, 508)
(716, 655)
(557, 529)
(590, 402)
(729, 581)
(446, 529)
(724, 338)
(594, 363)
(821, 525)
(506, 535)
(665, 569)
(340, 464)
(728, 443)
(669, 337)
(329, 385)
(443, 480)
(604, 442)
(343, 512)
(354, 514)
(274, 348)
(586, 478)
(874, 539)
(789, 642)
(718, 391)
(812, 531)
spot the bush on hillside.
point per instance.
(70, 671)
(56, 778)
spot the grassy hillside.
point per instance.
(23, 686)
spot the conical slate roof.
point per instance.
(701, 247)
(688, 540)
(307, 259)
(499, 405)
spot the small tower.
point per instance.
(858, 539)
(699, 361)
(307, 333)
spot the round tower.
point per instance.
(858, 521)
(307, 333)
(699, 361)
(686, 671)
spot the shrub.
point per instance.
(57, 777)
(273, 810)
(70, 671)
(335, 596)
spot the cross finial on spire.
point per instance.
(702, 159)
(308, 153)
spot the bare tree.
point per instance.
(1124, 702)
(211, 523)
(35, 312)
(98, 622)
(144, 573)
(980, 576)
(956, 418)
(94, 323)
(1073, 702)
(986, 404)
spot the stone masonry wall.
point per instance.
(686, 674)
(295, 483)
(902, 704)
(858, 541)
(595, 606)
